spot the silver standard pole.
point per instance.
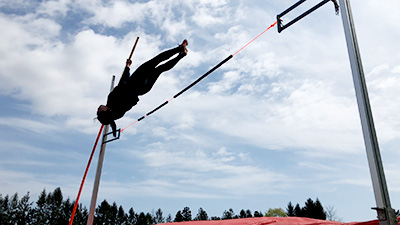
(386, 214)
(99, 168)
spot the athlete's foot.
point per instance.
(184, 50)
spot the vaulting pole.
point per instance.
(101, 156)
(99, 168)
(84, 176)
(386, 215)
(134, 47)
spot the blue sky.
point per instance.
(277, 123)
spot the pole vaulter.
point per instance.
(100, 162)
(116, 133)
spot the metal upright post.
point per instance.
(386, 215)
(99, 168)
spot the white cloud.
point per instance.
(54, 8)
(206, 16)
(114, 14)
(29, 125)
(18, 4)
(196, 168)
(25, 33)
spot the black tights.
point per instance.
(144, 77)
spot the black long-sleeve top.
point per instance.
(123, 97)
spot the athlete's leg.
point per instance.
(152, 76)
(147, 74)
(162, 57)
(152, 63)
(148, 67)
(168, 65)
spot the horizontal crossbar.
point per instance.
(282, 27)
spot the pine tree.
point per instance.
(290, 210)
(25, 212)
(242, 214)
(148, 219)
(309, 208)
(40, 213)
(66, 211)
(178, 216)
(201, 215)
(81, 214)
(3, 212)
(228, 214)
(102, 213)
(142, 219)
(6, 209)
(299, 211)
(248, 213)
(122, 217)
(169, 219)
(159, 216)
(319, 211)
(186, 214)
(13, 209)
(258, 214)
(132, 217)
(54, 203)
(314, 209)
(113, 213)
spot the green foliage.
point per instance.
(277, 212)
(230, 214)
(248, 214)
(186, 214)
(158, 218)
(169, 219)
(201, 215)
(132, 218)
(290, 210)
(145, 219)
(311, 210)
(178, 216)
(258, 214)
(242, 214)
(14, 210)
(245, 214)
(104, 214)
(215, 218)
(51, 208)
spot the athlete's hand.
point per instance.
(128, 62)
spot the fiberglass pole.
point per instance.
(99, 168)
(386, 214)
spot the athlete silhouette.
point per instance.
(125, 95)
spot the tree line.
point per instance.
(51, 208)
